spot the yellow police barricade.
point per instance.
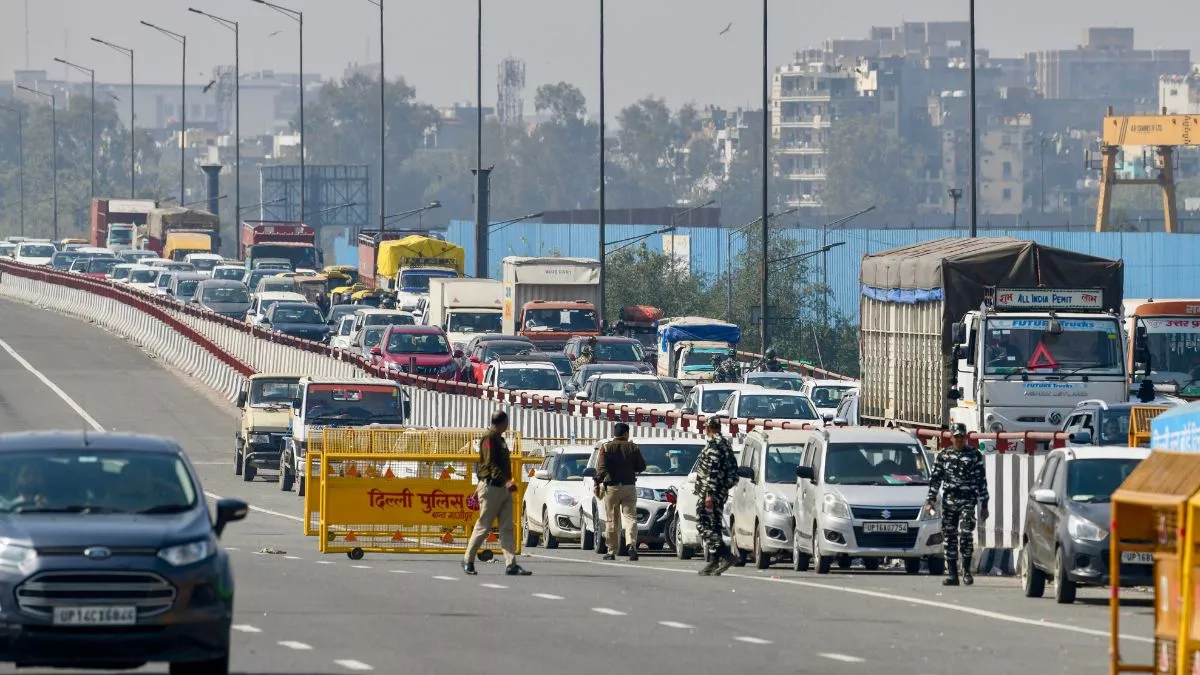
(422, 503)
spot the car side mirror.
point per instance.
(241, 399)
(541, 474)
(474, 359)
(1045, 496)
(581, 395)
(804, 472)
(828, 417)
(589, 472)
(954, 394)
(1082, 437)
(678, 397)
(745, 472)
(266, 321)
(229, 511)
(839, 422)
(570, 357)
(376, 351)
(721, 413)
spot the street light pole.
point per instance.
(132, 119)
(298, 17)
(974, 192)
(92, 143)
(53, 148)
(601, 196)
(830, 227)
(20, 161)
(382, 121)
(766, 181)
(237, 111)
(182, 40)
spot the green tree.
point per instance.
(867, 164)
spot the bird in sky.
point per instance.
(208, 86)
(275, 33)
(727, 28)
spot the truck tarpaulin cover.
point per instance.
(960, 270)
(180, 218)
(698, 329)
(392, 254)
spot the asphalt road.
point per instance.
(300, 612)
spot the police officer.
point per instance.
(617, 467)
(959, 472)
(716, 474)
(495, 493)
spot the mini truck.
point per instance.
(550, 300)
(408, 265)
(687, 345)
(266, 402)
(465, 308)
(1000, 334)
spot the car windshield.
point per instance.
(495, 349)
(36, 251)
(663, 459)
(781, 462)
(180, 267)
(230, 273)
(776, 381)
(101, 266)
(338, 311)
(372, 336)
(1114, 427)
(120, 273)
(274, 392)
(620, 390)
(297, 315)
(329, 403)
(1094, 480)
(828, 396)
(561, 320)
(101, 481)
(80, 265)
(516, 377)
(254, 277)
(776, 406)
(142, 276)
(186, 288)
(621, 351)
(712, 401)
(230, 294)
(561, 362)
(1090, 346)
(389, 320)
(473, 322)
(570, 467)
(417, 343)
(269, 285)
(875, 464)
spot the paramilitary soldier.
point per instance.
(959, 471)
(716, 474)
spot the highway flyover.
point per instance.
(299, 612)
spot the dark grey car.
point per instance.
(224, 297)
(298, 319)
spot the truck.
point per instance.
(1000, 334)
(550, 300)
(406, 266)
(292, 241)
(639, 322)
(465, 308)
(687, 345)
(175, 231)
(1164, 345)
(114, 222)
(369, 242)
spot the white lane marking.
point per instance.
(96, 426)
(351, 664)
(547, 596)
(609, 612)
(298, 646)
(844, 658)
(325, 562)
(232, 548)
(675, 624)
(493, 586)
(361, 567)
(259, 509)
(752, 640)
(446, 578)
(291, 557)
(982, 613)
(244, 628)
(401, 572)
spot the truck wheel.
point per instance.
(249, 471)
(285, 477)
(237, 456)
(300, 486)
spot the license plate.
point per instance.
(95, 616)
(1137, 557)
(901, 528)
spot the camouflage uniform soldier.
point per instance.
(769, 364)
(716, 474)
(586, 355)
(961, 471)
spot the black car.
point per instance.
(298, 319)
(110, 558)
(610, 349)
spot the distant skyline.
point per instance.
(667, 48)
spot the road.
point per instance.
(299, 612)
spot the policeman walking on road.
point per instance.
(617, 467)
(960, 472)
(495, 493)
(716, 474)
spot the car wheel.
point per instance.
(871, 564)
(937, 566)
(820, 560)
(913, 565)
(237, 456)
(738, 554)
(214, 667)
(601, 545)
(547, 535)
(531, 537)
(587, 540)
(1033, 580)
(761, 560)
(286, 477)
(800, 559)
(1064, 588)
(681, 551)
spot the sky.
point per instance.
(667, 48)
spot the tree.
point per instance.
(867, 164)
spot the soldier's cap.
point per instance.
(958, 429)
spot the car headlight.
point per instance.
(16, 556)
(774, 504)
(392, 365)
(646, 493)
(837, 507)
(1084, 529)
(187, 554)
(564, 499)
(261, 439)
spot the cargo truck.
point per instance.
(1164, 345)
(1000, 334)
(406, 266)
(295, 242)
(114, 222)
(175, 231)
(550, 300)
(369, 242)
(465, 308)
(687, 345)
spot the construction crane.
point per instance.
(1164, 132)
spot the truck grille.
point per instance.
(150, 593)
(886, 539)
(876, 513)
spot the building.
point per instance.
(1180, 94)
(1107, 66)
(728, 129)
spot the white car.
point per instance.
(771, 405)
(343, 334)
(684, 532)
(551, 506)
(204, 262)
(162, 281)
(761, 518)
(773, 380)
(142, 277)
(524, 376)
(229, 272)
(120, 272)
(668, 461)
(34, 252)
(827, 394)
(708, 398)
(261, 302)
(634, 390)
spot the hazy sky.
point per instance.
(665, 47)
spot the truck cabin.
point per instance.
(352, 402)
(1047, 345)
(297, 254)
(416, 279)
(180, 245)
(120, 235)
(1164, 346)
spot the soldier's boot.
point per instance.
(951, 573)
(966, 571)
(725, 560)
(711, 566)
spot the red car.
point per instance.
(428, 346)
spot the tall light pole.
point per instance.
(973, 191)
(182, 40)
(53, 148)
(600, 211)
(483, 190)
(237, 112)
(766, 182)
(382, 121)
(21, 161)
(132, 119)
(298, 17)
(91, 144)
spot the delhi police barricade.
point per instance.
(402, 491)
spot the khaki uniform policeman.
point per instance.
(616, 479)
(495, 493)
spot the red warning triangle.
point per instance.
(399, 536)
(1041, 358)
(389, 474)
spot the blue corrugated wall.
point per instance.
(1157, 264)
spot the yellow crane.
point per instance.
(1164, 132)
